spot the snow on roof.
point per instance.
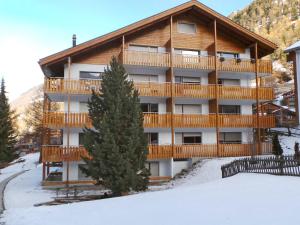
(293, 47)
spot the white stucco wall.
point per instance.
(178, 166)
(73, 171)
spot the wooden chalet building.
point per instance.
(194, 70)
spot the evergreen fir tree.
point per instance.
(117, 143)
(7, 131)
(277, 150)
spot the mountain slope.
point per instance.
(276, 20)
(23, 101)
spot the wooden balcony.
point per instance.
(61, 119)
(194, 120)
(245, 121)
(85, 87)
(156, 59)
(245, 93)
(244, 66)
(139, 58)
(185, 90)
(194, 62)
(56, 120)
(63, 86)
(153, 89)
(59, 153)
(80, 120)
(155, 120)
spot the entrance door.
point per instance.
(153, 167)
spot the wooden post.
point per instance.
(257, 102)
(44, 171)
(216, 86)
(123, 49)
(68, 118)
(172, 87)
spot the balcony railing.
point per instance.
(194, 120)
(80, 120)
(85, 87)
(237, 92)
(187, 90)
(60, 153)
(154, 120)
(63, 86)
(244, 65)
(194, 62)
(146, 58)
(61, 119)
(155, 89)
(245, 121)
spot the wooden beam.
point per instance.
(257, 101)
(216, 86)
(171, 75)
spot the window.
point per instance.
(143, 48)
(143, 78)
(187, 109)
(84, 75)
(187, 52)
(187, 80)
(186, 28)
(188, 138)
(229, 55)
(229, 82)
(153, 167)
(149, 108)
(230, 109)
(192, 138)
(230, 137)
(152, 138)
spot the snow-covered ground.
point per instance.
(200, 197)
(242, 199)
(25, 190)
(31, 161)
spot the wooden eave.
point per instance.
(266, 45)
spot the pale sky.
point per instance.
(33, 29)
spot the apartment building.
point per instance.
(199, 76)
(293, 56)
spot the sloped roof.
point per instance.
(293, 47)
(156, 18)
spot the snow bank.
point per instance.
(25, 190)
(243, 199)
(31, 161)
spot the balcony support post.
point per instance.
(216, 86)
(257, 101)
(171, 77)
(68, 123)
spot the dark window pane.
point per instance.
(90, 75)
(144, 107)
